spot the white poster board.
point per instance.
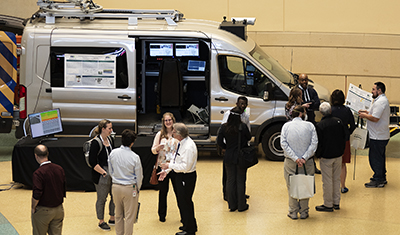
(358, 99)
(97, 71)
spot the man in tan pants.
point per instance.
(126, 173)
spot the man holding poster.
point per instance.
(377, 116)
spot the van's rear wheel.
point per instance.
(271, 143)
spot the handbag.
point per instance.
(247, 155)
(359, 139)
(153, 178)
(301, 186)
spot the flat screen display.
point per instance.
(196, 65)
(161, 49)
(187, 49)
(45, 123)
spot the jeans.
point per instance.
(377, 159)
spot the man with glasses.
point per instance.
(184, 166)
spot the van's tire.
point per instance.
(271, 143)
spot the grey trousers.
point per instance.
(103, 188)
(330, 171)
(296, 205)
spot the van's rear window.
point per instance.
(57, 56)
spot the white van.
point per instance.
(132, 66)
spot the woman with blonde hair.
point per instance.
(98, 159)
(165, 146)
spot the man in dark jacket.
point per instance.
(331, 143)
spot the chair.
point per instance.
(170, 88)
(199, 115)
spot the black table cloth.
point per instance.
(68, 153)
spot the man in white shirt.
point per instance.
(126, 173)
(299, 142)
(184, 166)
(378, 118)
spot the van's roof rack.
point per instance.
(87, 9)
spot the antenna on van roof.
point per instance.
(87, 9)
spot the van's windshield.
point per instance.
(272, 66)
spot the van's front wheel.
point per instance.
(271, 143)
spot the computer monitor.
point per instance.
(187, 49)
(161, 49)
(45, 123)
(196, 65)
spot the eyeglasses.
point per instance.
(168, 120)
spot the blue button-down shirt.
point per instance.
(299, 139)
(125, 167)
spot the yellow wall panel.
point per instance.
(205, 9)
(269, 14)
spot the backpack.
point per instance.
(87, 145)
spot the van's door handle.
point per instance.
(125, 97)
(48, 90)
(221, 99)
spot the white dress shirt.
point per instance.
(186, 158)
(125, 167)
(299, 139)
(244, 117)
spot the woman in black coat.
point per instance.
(346, 115)
(228, 139)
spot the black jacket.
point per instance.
(346, 115)
(331, 137)
(232, 142)
(101, 159)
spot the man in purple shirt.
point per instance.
(47, 195)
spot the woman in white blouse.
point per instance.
(165, 146)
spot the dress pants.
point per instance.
(330, 171)
(185, 184)
(236, 186)
(163, 188)
(377, 159)
(296, 205)
(126, 206)
(47, 220)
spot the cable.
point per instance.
(5, 189)
(44, 72)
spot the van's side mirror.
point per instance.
(266, 95)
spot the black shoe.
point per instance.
(247, 196)
(372, 179)
(317, 171)
(182, 228)
(104, 226)
(232, 210)
(336, 207)
(181, 233)
(162, 219)
(324, 208)
(245, 209)
(375, 184)
(111, 222)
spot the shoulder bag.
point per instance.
(247, 155)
